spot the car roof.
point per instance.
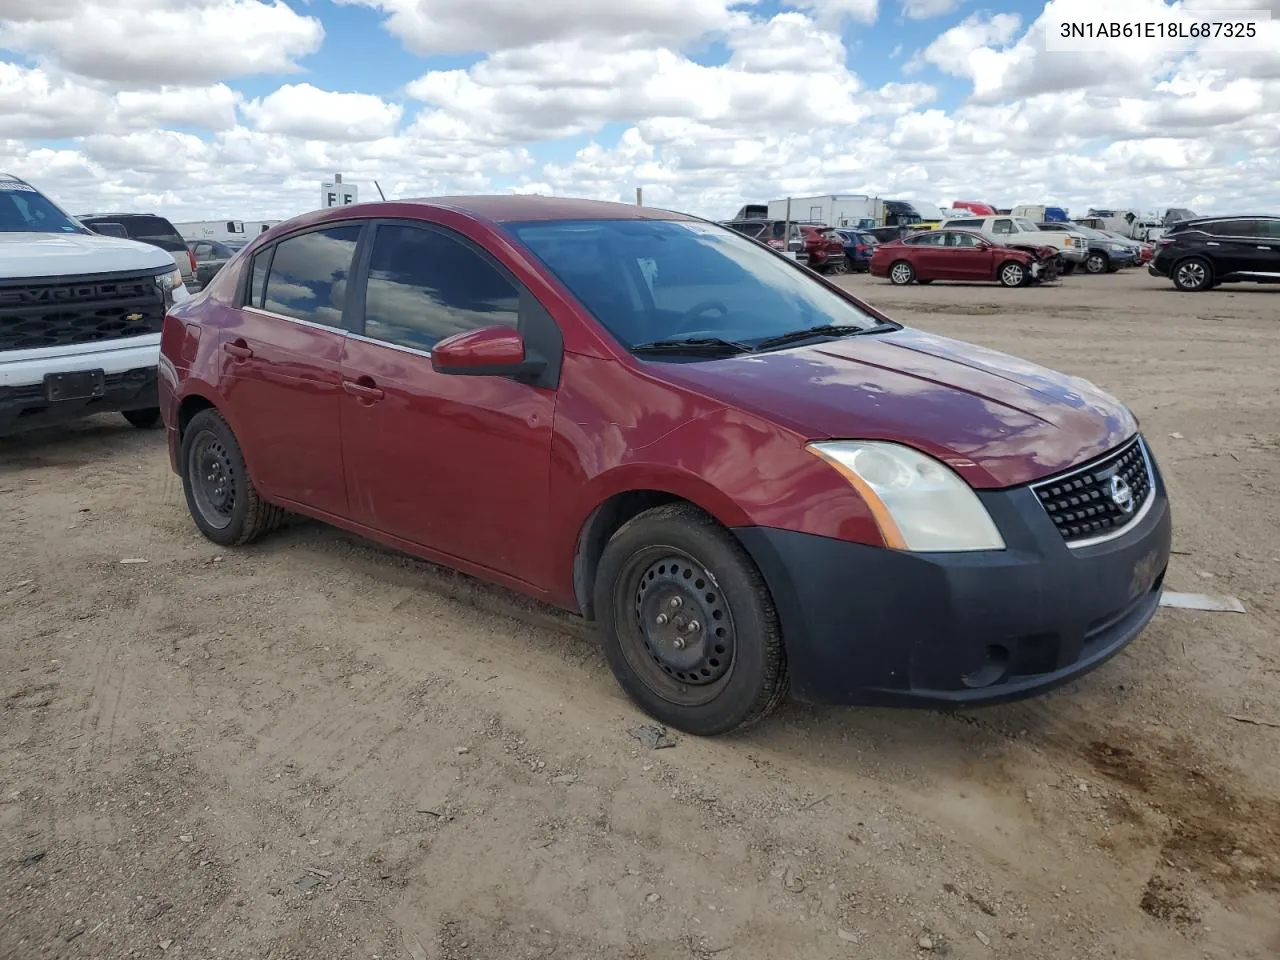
(504, 208)
(1228, 216)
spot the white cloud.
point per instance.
(183, 42)
(307, 112)
(465, 26)
(927, 9)
(831, 12)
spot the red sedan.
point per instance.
(962, 255)
(750, 481)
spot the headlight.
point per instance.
(170, 283)
(919, 503)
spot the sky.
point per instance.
(217, 109)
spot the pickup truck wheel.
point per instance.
(1192, 275)
(687, 623)
(143, 419)
(223, 501)
(901, 273)
(1068, 267)
(1097, 263)
(1012, 274)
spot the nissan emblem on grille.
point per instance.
(1121, 494)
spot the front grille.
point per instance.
(1081, 503)
(58, 313)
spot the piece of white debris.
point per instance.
(134, 560)
(1201, 601)
(986, 941)
(1176, 436)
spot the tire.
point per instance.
(923, 283)
(1068, 267)
(1012, 274)
(209, 443)
(1192, 275)
(730, 675)
(144, 419)
(901, 273)
(839, 267)
(1097, 263)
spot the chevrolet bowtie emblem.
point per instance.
(133, 317)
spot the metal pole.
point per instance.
(639, 196)
(786, 230)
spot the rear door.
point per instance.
(457, 464)
(282, 365)
(929, 256)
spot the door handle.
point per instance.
(1261, 247)
(238, 349)
(364, 388)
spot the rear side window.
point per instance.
(309, 275)
(258, 278)
(425, 286)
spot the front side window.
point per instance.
(424, 286)
(1267, 229)
(309, 275)
(650, 280)
(1234, 228)
(1002, 226)
(926, 240)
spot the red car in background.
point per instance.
(962, 255)
(825, 248)
(751, 481)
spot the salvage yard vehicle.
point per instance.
(80, 316)
(1019, 232)
(1201, 254)
(749, 480)
(151, 229)
(962, 255)
(1105, 254)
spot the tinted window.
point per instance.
(1233, 228)
(647, 280)
(258, 279)
(1268, 229)
(965, 223)
(925, 240)
(156, 231)
(23, 210)
(309, 275)
(425, 286)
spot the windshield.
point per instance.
(24, 210)
(649, 280)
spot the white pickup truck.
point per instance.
(1020, 232)
(80, 316)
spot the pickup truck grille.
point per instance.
(61, 312)
(1089, 501)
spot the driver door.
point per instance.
(459, 465)
(970, 256)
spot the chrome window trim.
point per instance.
(342, 331)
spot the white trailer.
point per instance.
(831, 210)
(223, 230)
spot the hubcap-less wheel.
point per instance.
(1096, 263)
(684, 627)
(212, 479)
(900, 273)
(1191, 275)
(1012, 275)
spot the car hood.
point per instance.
(997, 420)
(35, 255)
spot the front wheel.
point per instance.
(1097, 263)
(687, 623)
(223, 501)
(839, 267)
(901, 273)
(143, 419)
(1068, 267)
(1193, 275)
(1012, 274)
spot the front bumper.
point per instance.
(26, 407)
(868, 625)
(1075, 254)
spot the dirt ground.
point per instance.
(316, 748)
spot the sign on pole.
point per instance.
(337, 194)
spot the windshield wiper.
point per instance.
(822, 330)
(693, 345)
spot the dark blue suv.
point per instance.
(858, 247)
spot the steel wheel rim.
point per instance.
(213, 480)
(901, 273)
(1012, 274)
(683, 652)
(1191, 274)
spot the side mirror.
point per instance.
(496, 351)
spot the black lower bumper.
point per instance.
(868, 625)
(28, 407)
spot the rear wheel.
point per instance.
(901, 273)
(222, 499)
(839, 266)
(687, 623)
(143, 419)
(1012, 274)
(1193, 275)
